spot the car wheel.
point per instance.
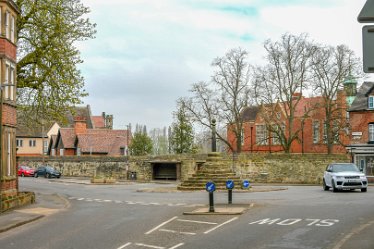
(364, 190)
(334, 189)
(325, 187)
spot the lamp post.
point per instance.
(214, 142)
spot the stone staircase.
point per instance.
(216, 169)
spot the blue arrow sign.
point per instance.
(245, 184)
(229, 184)
(210, 187)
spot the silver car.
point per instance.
(340, 176)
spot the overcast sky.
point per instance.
(148, 53)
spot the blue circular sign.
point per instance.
(229, 184)
(245, 184)
(210, 187)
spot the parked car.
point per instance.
(25, 171)
(47, 171)
(340, 176)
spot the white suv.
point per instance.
(340, 176)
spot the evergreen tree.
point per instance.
(182, 138)
(141, 144)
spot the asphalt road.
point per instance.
(121, 216)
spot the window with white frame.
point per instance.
(7, 30)
(242, 137)
(61, 152)
(371, 102)
(32, 143)
(12, 27)
(325, 132)
(371, 133)
(9, 88)
(261, 135)
(277, 134)
(315, 131)
(19, 143)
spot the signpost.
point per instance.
(367, 16)
(211, 187)
(230, 185)
(246, 184)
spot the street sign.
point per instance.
(367, 12)
(368, 48)
(245, 184)
(229, 184)
(210, 187)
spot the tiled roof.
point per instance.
(68, 137)
(361, 101)
(104, 141)
(250, 113)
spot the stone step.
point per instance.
(203, 182)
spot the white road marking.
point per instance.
(132, 202)
(162, 224)
(200, 222)
(150, 246)
(224, 223)
(173, 231)
(176, 246)
(292, 221)
(125, 245)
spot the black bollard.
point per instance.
(230, 196)
(211, 202)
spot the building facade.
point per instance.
(8, 60)
(361, 118)
(264, 126)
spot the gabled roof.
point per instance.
(250, 113)
(102, 141)
(67, 136)
(361, 101)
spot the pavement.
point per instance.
(48, 204)
(45, 205)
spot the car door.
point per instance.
(328, 175)
(41, 171)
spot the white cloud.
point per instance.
(148, 53)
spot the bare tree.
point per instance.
(224, 98)
(282, 80)
(330, 67)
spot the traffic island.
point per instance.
(219, 209)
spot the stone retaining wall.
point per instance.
(264, 168)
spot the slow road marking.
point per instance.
(293, 221)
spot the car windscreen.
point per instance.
(344, 167)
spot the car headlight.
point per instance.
(339, 177)
(363, 177)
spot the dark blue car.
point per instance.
(47, 171)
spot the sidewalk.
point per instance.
(45, 205)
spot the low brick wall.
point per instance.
(16, 201)
(261, 168)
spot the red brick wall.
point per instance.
(9, 115)
(360, 123)
(6, 47)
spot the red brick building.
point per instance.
(309, 124)
(80, 141)
(8, 60)
(361, 119)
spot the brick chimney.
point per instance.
(80, 126)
